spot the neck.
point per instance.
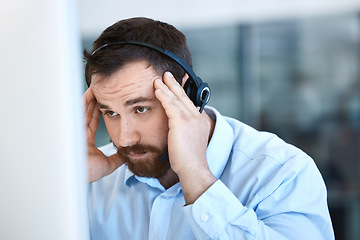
(212, 127)
(169, 179)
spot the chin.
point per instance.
(151, 168)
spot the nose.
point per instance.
(128, 135)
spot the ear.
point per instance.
(184, 79)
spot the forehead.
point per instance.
(133, 80)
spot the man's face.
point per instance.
(135, 119)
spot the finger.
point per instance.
(89, 111)
(94, 122)
(173, 106)
(89, 102)
(92, 115)
(173, 96)
(88, 96)
(163, 94)
(175, 87)
(171, 88)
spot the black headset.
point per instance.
(197, 90)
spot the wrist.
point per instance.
(194, 182)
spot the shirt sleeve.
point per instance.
(218, 214)
(210, 213)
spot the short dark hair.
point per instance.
(112, 58)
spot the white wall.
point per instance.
(42, 157)
(96, 15)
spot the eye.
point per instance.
(142, 109)
(111, 113)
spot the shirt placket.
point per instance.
(161, 212)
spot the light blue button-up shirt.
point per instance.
(266, 189)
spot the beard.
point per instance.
(150, 166)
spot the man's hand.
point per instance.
(189, 133)
(99, 165)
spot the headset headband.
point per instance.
(166, 52)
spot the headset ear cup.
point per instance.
(199, 96)
(203, 94)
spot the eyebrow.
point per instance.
(129, 102)
(103, 106)
(138, 100)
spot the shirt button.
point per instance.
(204, 217)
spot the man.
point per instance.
(221, 179)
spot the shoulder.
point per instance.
(245, 140)
(259, 144)
(268, 162)
(262, 164)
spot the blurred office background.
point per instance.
(288, 67)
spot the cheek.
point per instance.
(161, 135)
(158, 129)
(112, 128)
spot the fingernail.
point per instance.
(159, 81)
(169, 74)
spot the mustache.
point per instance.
(137, 149)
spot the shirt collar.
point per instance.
(217, 153)
(221, 143)
(131, 178)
